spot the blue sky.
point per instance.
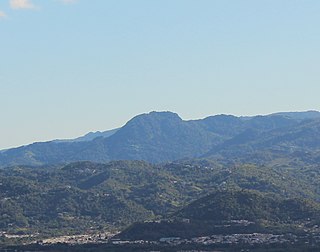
(70, 67)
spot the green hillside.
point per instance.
(84, 196)
(232, 212)
(249, 205)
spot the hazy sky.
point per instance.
(70, 67)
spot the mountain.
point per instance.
(159, 137)
(298, 137)
(155, 137)
(163, 136)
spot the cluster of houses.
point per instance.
(253, 239)
(232, 239)
(311, 236)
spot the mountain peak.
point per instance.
(154, 117)
(160, 115)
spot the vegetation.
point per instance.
(83, 196)
(232, 212)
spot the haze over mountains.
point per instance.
(163, 136)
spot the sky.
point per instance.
(68, 67)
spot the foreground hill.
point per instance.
(78, 196)
(163, 136)
(250, 205)
(231, 212)
(86, 196)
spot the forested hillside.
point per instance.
(232, 212)
(84, 195)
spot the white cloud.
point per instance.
(2, 14)
(22, 4)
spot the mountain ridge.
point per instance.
(163, 136)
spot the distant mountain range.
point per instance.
(163, 136)
(88, 137)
